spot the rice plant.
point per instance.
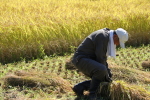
(133, 56)
(39, 80)
(31, 29)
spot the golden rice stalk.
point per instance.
(123, 91)
(37, 79)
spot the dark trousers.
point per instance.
(92, 68)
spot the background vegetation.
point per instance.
(31, 29)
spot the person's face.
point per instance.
(116, 39)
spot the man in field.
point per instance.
(91, 58)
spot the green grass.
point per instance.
(29, 27)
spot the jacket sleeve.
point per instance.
(100, 52)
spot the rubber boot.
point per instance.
(80, 87)
(94, 86)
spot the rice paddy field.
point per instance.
(52, 78)
(31, 29)
(38, 38)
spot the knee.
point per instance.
(101, 73)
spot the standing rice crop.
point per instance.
(31, 29)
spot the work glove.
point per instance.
(109, 73)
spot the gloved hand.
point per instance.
(109, 73)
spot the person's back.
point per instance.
(93, 46)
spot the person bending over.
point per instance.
(91, 58)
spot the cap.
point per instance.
(123, 36)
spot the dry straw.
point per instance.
(123, 91)
(36, 79)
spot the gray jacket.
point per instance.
(94, 47)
